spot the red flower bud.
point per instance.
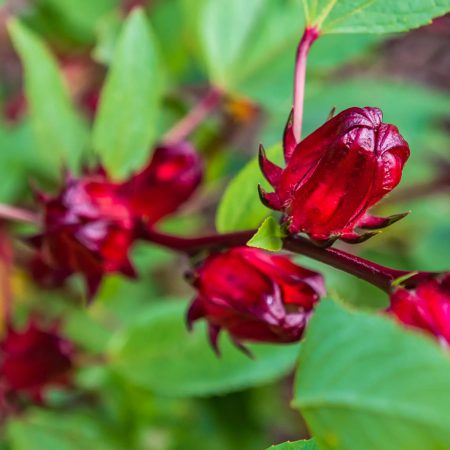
(33, 359)
(88, 228)
(174, 172)
(335, 174)
(426, 306)
(255, 295)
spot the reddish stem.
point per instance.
(308, 38)
(373, 273)
(22, 215)
(195, 116)
(197, 244)
(380, 276)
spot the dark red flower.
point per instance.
(33, 359)
(335, 174)
(425, 306)
(255, 295)
(171, 177)
(88, 228)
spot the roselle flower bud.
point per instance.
(335, 174)
(425, 306)
(171, 177)
(88, 229)
(34, 359)
(254, 295)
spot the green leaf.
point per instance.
(222, 48)
(56, 431)
(262, 67)
(60, 134)
(297, 445)
(366, 383)
(262, 31)
(240, 207)
(159, 354)
(125, 126)
(268, 236)
(81, 16)
(371, 16)
(107, 30)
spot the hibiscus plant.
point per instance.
(166, 285)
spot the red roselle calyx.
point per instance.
(169, 180)
(425, 306)
(254, 295)
(335, 174)
(33, 359)
(88, 228)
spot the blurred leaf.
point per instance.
(82, 328)
(268, 236)
(297, 445)
(60, 134)
(167, 17)
(81, 16)
(222, 48)
(371, 16)
(240, 207)
(18, 161)
(432, 250)
(108, 29)
(55, 431)
(261, 31)
(370, 384)
(126, 121)
(159, 353)
(329, 51)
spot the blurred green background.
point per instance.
(143, 382)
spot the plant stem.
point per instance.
(22, 215)
(195, 116)
(373, 273)
(309, 36)
(197, 244)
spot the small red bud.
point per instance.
(88, 228)
(169, 180)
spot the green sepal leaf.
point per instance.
(61, 136)
(158, 353)
(268, 237)
(371, 16)
(125, 126)
(240, 207)
(362, 378)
